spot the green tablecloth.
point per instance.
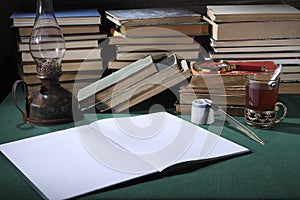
(271, 171)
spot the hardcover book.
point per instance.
(261, 12)
(152, 16)
(231, 110)
(254, 30)
(70, 29)
(67, 17)
(66, 76)
(255, 43)
(75, 36)
(70, 66)
(69, 45)
(155, 30)
(71, 55)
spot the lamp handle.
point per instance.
(14, 93)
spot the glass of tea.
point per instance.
(262, 108)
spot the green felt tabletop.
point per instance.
(270, 171)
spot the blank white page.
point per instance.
(79, 160)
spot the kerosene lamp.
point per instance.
(52, 104)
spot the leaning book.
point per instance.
(79, 160)
(171, 71)
(116, 82)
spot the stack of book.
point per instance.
(257, 32)
(82, 61)
(158, 32)
(134, 84)
(226, 89)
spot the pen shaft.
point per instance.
(236, 123)
(242, 128)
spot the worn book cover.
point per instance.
(169, 29)
(254, 30)
(66, 17)
(261, 12)
(255, 43)
(71, 55)
(152, 16)
(68, 66)
(66, 29)
(231, 110)
(74, 36)
(66, 76)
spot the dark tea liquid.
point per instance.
(261, 97)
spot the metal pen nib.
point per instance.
(236, 123)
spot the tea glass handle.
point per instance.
(14, 93)
(277, 107)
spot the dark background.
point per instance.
(8, 48)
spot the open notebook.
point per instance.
(82, 159)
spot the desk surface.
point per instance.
(271, 171)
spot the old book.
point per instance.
(116, 82)
(157, 47)
(154, 85)
(228, 95)
(69, 45)
(71, 66)
(231, 110)
(71, 55)
(260, 12)
(131, 56)
(217, 98)
(290, 68)
(254, 55)
(72, 162)
(158, 52)
(170, 29)
(65, 17)
(74, 37)
(119, 64)
(257, 49)
(290, 77)
(72, 29)
(256, 43)
(227, 90)
(72, 86)
(66, 76)
(152, 16)
(217, 80)
(289, 88)
(121, 39)
(116, 65)
(254, 30)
